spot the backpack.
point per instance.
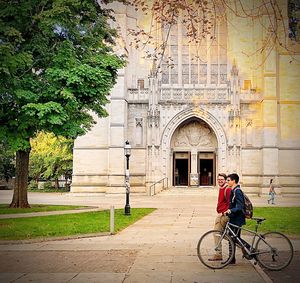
(248, 207)
(248, 211)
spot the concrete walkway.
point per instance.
(161, 247)
(45, 213)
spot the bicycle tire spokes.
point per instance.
(274, 251)
(215, 250)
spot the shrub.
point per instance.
(33, 185)
(48, 186)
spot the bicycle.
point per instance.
(272, 250)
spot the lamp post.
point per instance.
(127, 152)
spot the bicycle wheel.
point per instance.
(210, 245)
(274, 251)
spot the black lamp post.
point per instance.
(127, 152)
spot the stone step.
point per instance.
(189, 191)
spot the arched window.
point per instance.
(198, 63)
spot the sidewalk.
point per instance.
(45, 213)
(291, 274)
(161, 247)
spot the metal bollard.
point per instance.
(112, 220)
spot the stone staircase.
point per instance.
(189, 191)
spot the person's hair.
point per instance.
(271, 181)
(234, 177)
(222, 175)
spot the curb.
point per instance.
(40, 240)
(260, 271)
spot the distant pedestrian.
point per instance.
(272, 192)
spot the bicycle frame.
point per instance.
(233, 235)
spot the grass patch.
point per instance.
(4, 208)
(280, 219)
(67, 224)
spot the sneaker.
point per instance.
(232, 261)
(215, 258)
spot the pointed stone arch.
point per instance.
(176, 121)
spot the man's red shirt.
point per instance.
(223, 202)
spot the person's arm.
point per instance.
(239, 202)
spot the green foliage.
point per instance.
(48, 186)
(7, 158)
(56, 67)
(50, 190)
(50, 156)
(67, 224)
(32, 185)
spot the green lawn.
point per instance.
(280, 219)
(4, 209)
(68, 224)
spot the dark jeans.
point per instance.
(237, 231)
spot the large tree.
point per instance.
(56, 68)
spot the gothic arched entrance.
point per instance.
(197, 155)
(194, 147)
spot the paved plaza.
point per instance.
(161, 247)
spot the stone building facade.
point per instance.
(228, 113)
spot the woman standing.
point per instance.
(271, 192)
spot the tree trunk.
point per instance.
(20, 190)
(56, 184)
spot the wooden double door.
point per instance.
(203, 173)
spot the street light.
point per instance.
(127, 152)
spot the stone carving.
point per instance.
(193, 134)
(180, 138)
(153, 116)
(248, 122)
(187, 95)
(139, 131)
(139, 122)
(249, 133)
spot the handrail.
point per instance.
(153, 185)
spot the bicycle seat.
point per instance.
(258, 219)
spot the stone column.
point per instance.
(270, 122)
(153, 141)
(194, 178)
(117, 137)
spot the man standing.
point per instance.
(222, 207)
(236, 207)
